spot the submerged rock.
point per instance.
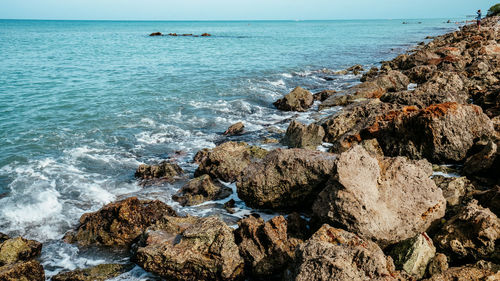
(235, 129)
(414, 254)
(335, 254)
(201, 189)
(387, 200)
(286, 178)
(299, 135)
(297, 100)
(118, 223)
(190, 249)
(96, 273)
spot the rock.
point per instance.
(265, 246)
(206, 35)
(355, 68)
(323, 95)
(481, 271)
(163, 172)
(453, 188)
(373, 72)
(386, 200)
(96, 273)
(172, 34)
(229, 206)
(485, 163)
(299, 135)
(156, 34)
(335, 100)
(285, 179)
(414, 254)
(490, 199)
(228, 160)
(19, 249)
(118, 223)
(298, 227)
(201, 189)
(392, 81)
(297, 100)
(201, 155)
(3, 237)
(22, 271)
(235, 129)
(335, 254)
(438, 264)
(190, 249)
(421, 73)
(472, 233)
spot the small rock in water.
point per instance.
(297, 100)
(229, 206)
(156, 34)
(163, 172)
(206, 34)
(235, 129)
(201, 189)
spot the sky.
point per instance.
(239, 9)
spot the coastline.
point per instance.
(357, 99)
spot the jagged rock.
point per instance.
(490, 199)
(201, 155)
(386, 200)
(373, 72)
(3, 237)
(472, 233)
(190, 249)
(297, 100)
(323, 95)
(96, 273)
(286, 178)
(453, 188)
(201, 189)
(486, 162)
(438, 264)
(421, 73)
(164, 172)
(22, 271)
(228, 160)
(235, 129)
(118, 223)
(414, 254)
(335, 100)
(299, 135)
(481, 271)
(19, 249)
(335, 254)
(265, 246)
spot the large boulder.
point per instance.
(17, 260)
(228, 160)
(201, 189)
(286, 178)
(100, 272)
(472, 233)
(118, 223)
(481, 271)
(414, 254)
(297, 100)
(299, 135)
(30, 270)
(265, 246)
(386, 200)
(335, 254)
(190, 249)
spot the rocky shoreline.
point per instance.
(371, 208)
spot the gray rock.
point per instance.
(414, 254)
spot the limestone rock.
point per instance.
(438, 264)
(118, 223)
(453, 188)
(201, 189)
(100, 272)
(490, 199)
(481, 271)
(386, 200)
(414, 254)
(30, 270)
(163, 172)
(19, 249)
(297, 100)
(323, 95)
(299, 135)
(235, 129)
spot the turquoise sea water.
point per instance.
(83, 103)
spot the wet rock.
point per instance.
(373, 72)
(453, 188)
(118, 223)
(438, 264)
(265, 246)
(299, 135)
(156, 34)
(22, 271)
(201, 155)
(323, 95)
(472, 233)
(163, 172)
(386, 200)
(481, 271)
(19, 249)
(235, 129)
(228, 160)
(414, 254)
(206, 34)
(190, 249)
(286, 178)
(229, 206)
(297, 100)
(201, 189)
(96, 273)
(335, 254)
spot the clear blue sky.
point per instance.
(238, 9)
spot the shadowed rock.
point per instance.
(414, 254)
(96, 273)
(201, 189)
(481, 271)
(299, 135)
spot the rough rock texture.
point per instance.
(490, 199)
(286, 178)
(387, 200)
(19, 249)
(164, 172)
(472, 233)
(22, 271)
(118, 223)
(190, 249)
(484, 163)
(235, 129)
(335, 254)
(414, 254)
(201, 189)
(228, 160)
(265, 246)
(438, 264)
(3, 237)
(96, 273)
(453, 188)
(297, 100)
(299, 135)
(481, 271)
(323, 95)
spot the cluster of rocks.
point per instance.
(175, 34)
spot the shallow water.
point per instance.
(83, 103)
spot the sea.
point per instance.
(83, 103)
